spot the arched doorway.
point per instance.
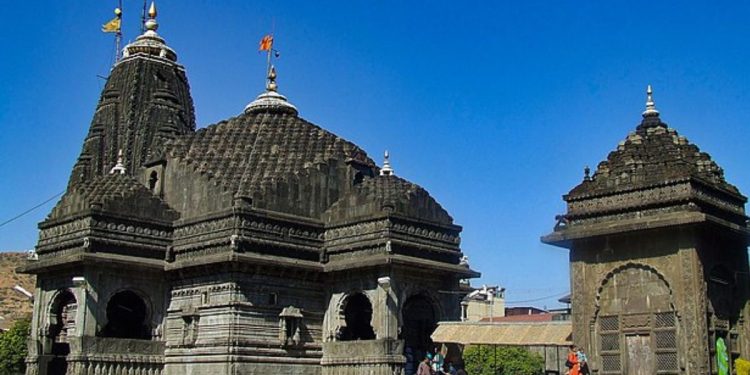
(357, 313)
(636, 323)
(724, 312)
(127, 317)
(419, 318)
(62, 318)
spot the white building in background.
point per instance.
(485, 302)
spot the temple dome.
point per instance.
(270, 100)
(388, 194)
(275, 159)
(150, 43)
(654, 154)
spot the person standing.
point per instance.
(424, 367)
(582, 362)
(572, 362)
(437, 362)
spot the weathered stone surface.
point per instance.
(653, 236)
(236, 248)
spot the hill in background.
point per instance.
(13, 305)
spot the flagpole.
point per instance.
(270, 48)
(143, 17)
(268, 59)
(118, 34)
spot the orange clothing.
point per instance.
(576, 369)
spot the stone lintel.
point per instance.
(81, 258)
(248, 257)
(396, 259)
(564, 237)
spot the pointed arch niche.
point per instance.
(635, 326)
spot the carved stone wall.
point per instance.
(623, 285)
(212, 313)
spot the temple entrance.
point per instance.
(62, 317)
(419, 322)
(636, 328)
(640, 357)
(126, 317)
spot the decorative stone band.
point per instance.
(668, 194)
(365, 352)
(101, 233)
(417, 230)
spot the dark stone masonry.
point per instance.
(658, 257)
(264, 244)
(259, 245)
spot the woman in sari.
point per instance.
(572, 362)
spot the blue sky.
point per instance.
(494, 107)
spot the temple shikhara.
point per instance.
(263, 244)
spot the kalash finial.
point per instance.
(151, 24)
(387, 170)
(650, 105)
(271, 84)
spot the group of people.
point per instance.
(576, 362)
(434, 363)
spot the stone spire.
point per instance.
(271, 100)
(650, 105)
(150, 43)
(387, 170)
(145, 103)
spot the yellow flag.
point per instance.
(112, 26)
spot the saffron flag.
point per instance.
(112, 26)
(266, 43)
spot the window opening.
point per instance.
(357, 319)
(126, 317)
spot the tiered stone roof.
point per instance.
(655, 178)
(653, 154)
(115, 193)
(389, 194)
(246, 151)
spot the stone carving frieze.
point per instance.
(427, 233)
(356, 231)
(64, 229)
(734, 207)
(634, 199)
(192, 253)
(217, 232)
(621, 216)
(673, 193)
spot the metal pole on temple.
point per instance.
(266, 44)
(143, 16)
(268, 59)
(114, 26)
(118, 34)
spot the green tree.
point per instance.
(13, 348)
(502, 360)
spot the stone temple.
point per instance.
(658, 258)
(262, 244)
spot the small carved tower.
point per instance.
(658, 257)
